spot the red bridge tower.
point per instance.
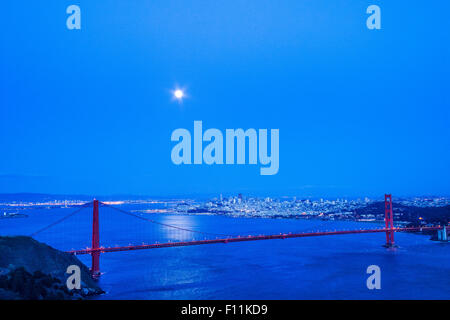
(95, 269)
(389, 220)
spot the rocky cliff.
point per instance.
(33, 270)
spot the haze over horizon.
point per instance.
(199, 196)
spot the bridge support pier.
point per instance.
(95, 267)
(389, 221)
(442, 234)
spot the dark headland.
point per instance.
(33, 270)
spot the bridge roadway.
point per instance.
(242, 239)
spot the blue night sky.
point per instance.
(360, 112)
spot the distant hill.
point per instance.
(411, 214)
(42, 197)
(39, 197)
(439, 215)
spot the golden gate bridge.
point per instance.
(96, 249)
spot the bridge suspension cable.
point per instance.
(62, 219)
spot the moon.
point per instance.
(178, 94)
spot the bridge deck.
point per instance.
(241, 239)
